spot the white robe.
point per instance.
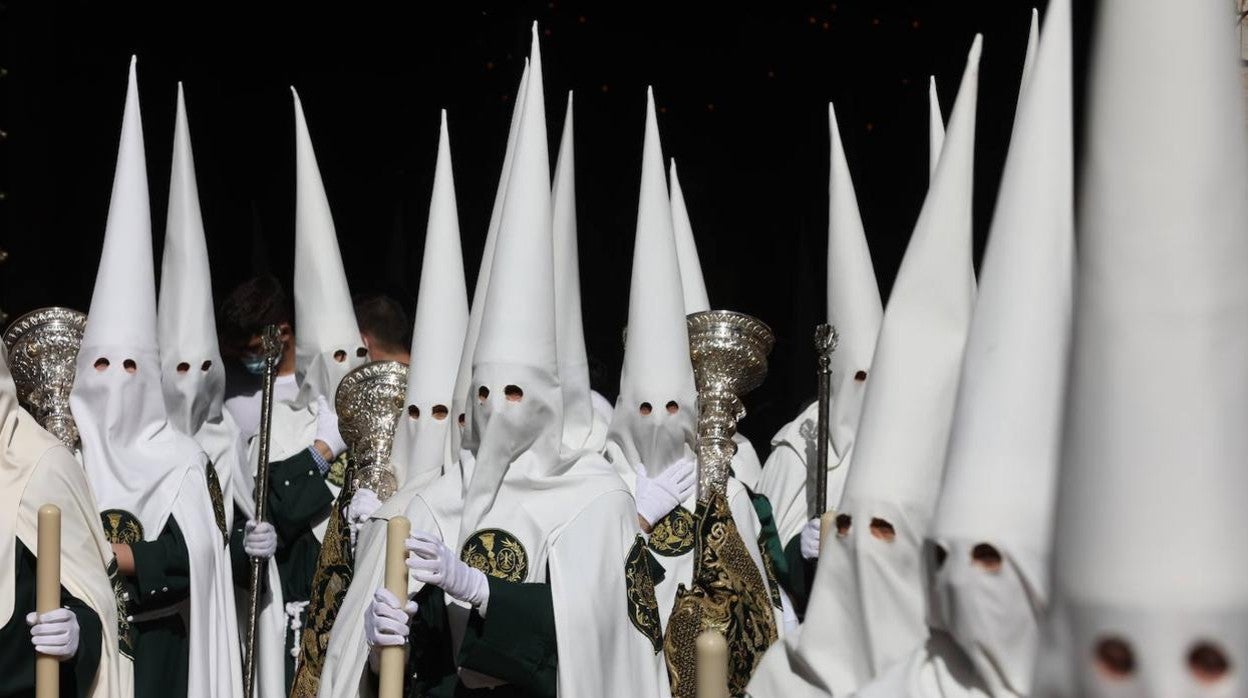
(431, 504)
(786, 481)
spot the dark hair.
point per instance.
(383, 319)
(254, 303)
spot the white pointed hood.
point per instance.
(517, 407)
(657, 369)
(935, 128)
(691, 281)
(134, 460)
(854, 305)
(1001, 472)
(327, 339)
(422, 440)
(1029, 56)
(581, 429)
(1149, 550)
(875, 588)
(192, 373)
(461, 437)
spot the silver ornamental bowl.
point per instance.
(43, 354)
(729, 352)
(369, 401)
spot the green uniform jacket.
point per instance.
(17, 654)
(162, 579)
(515, 642)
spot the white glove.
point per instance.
(364, 503)
(434, 563)
(810, 540)
(259, 539)
(327, 427)
(386, 621)
(658, 495)
(54, 633)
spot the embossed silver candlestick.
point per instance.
(369, 401)
(729, 352)
(43, 354)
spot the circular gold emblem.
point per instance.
(120, 526)
(496, 553)
(673, 536)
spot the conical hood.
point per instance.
(327, 339)
(874, 588)
(923, 334)
(123, 303)
(854, 305)
(1149, 553)
(691, 280)
(1001, 472)
(463, 376)
(578, 411)
(517, 414)
(192, 373)
(133, 460)
(423, 437)
(656, 413)
(935, 128)
(1029, 56)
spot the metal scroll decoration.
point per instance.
(368, 402)
(826, 340)
(43, 354)
(728, 593)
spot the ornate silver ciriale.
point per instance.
(369, 401)
(729, 352)
(43, 354)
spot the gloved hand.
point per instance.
(809, 543)
(657, 496)
(327, 428)
(364, 503)
(54, 633)
(259, 539)
(434, 563)
(386, 621)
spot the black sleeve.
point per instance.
(162, 570)
(298, 495)
(17, 653)
(515, 642)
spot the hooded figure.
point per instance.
(36, 469)
(987, 550)
(654, 427)
(192, 373)
(854, 308)
(193, 378)
(583, 428)
(149, 479)
(1149, 556)
(423, 435)
(867, 609)
(746, 466)
(543, 540)
(461, 438)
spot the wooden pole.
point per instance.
(827, 527)
(48, 594)
(712, 651)
(390, 670)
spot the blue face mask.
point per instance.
(253, 364)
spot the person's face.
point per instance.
(252, 354)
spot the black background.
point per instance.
(742, 91)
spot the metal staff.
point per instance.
(271, 346)
(825, 343)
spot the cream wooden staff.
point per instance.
(712, 651)
(390, 669)
(48, 594)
